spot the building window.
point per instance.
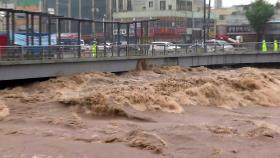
(222, 17)
(114, 9)
(129, 5)
(151, 4)
(190, 23)
(170, 7)
(184, 5)
(181, 5)
(162, 5)
(121, 5)
(189, 6)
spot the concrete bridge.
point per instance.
(26, 69)
(33, 60)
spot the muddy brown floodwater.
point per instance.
(171, 112)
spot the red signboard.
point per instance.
(69, 36)
(3, 42)
(168, 31)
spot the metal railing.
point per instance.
(59, 52)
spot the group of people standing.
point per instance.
(265, 47)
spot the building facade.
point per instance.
(88, 9)
(5, 4)
(179, 20)
(273, 26)
(232, 22)
(218, 4)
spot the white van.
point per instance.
(163, 46)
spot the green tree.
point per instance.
(258, 14)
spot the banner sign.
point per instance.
(20, 39)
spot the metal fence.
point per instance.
(59, 52)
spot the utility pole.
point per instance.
(6, 4)
(69, 15)
(204, 25)
(93, 16)
(209, 18)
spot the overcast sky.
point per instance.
(228, 3)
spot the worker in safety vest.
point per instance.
(275, 46)
(264, 46)
(94, 49)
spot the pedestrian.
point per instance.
(264, 46)
(275, 46)
(94, 50)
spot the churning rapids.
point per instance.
(160, 112)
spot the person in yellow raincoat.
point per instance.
(94, 50)
(275, 46)
(264, 46)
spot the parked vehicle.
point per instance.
(108, 46)
(163, 46)
(123, 46)
(219, 45)
(84, 47)
(199, 47)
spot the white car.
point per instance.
(220, 45)
(84, 47)
(198, 47)
(107, 45)
(163, 46)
